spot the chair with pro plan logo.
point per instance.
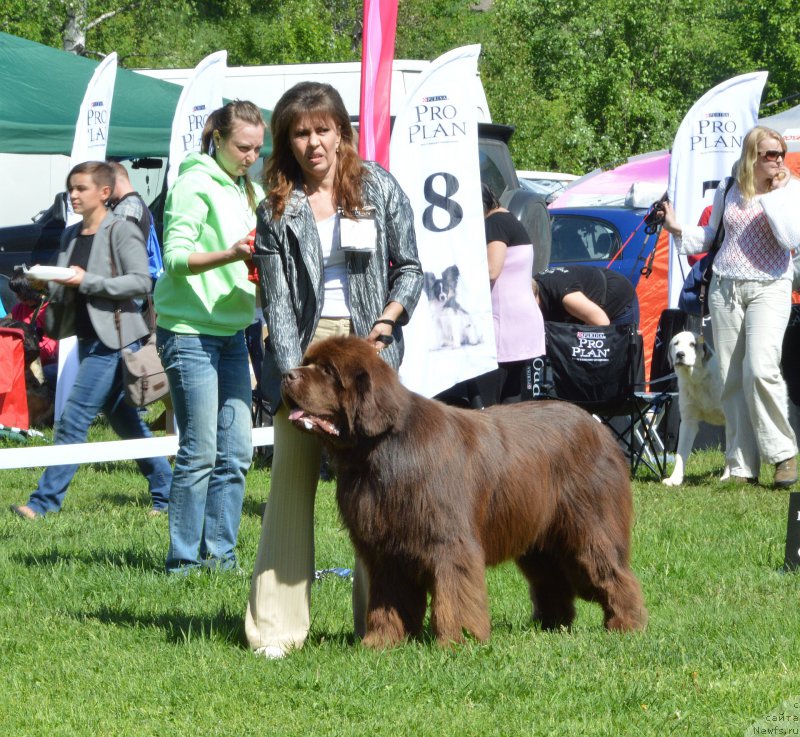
(600, 369)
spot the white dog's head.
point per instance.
(686, 348)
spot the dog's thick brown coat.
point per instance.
(432, 494)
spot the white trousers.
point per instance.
(749, 319)
(279, 605)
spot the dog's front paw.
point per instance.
(673, 480)
(381, 640)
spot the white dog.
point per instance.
(699, 391)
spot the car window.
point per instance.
(582, 239)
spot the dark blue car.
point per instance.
(594, 235)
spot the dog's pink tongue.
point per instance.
(296, 414)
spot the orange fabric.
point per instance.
(653, 294)
(793, 162)
(13, 398)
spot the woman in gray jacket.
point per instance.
(336, 254)
(98, 305)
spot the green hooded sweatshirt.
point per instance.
(205, 211)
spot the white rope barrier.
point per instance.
(112, 450)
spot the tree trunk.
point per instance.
(74, 35)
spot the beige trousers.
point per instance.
(278, 609)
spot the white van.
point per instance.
(264, 85)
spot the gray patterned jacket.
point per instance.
(288, 255)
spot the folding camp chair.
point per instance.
(600, 368)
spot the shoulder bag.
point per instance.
(694, 293)
(143, 377)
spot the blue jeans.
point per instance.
(209, 381)
(98, 386)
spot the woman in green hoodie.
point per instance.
(204, 302)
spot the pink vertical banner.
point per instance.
(380, 25)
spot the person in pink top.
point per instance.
(749, 302)
(518, 322)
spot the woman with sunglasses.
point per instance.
(749, 302)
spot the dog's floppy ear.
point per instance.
(373, 404)
(707, 353)
(450, 276)
(670, 348)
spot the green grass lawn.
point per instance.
(95, 640)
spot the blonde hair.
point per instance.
(745, 175)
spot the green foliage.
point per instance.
(302, 31)
(604, 80)
(429, 28)
(585, 82)
(151, 35)
(40, 20)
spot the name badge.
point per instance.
(358, 235)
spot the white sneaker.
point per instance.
(270, 652)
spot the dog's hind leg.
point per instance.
(600, 573)
(552, 593)
(396, 606)
(459, 601)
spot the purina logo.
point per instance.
(591, 347)
(436, 120)
(97, 123)
(716, 133)
(195, 121)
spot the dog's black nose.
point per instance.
(680, 354)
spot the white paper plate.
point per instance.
(44, 273)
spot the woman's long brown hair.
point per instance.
(282, 173)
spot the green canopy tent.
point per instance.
(41, 90)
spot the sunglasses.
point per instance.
(772, 155)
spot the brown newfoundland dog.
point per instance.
(432, 494)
